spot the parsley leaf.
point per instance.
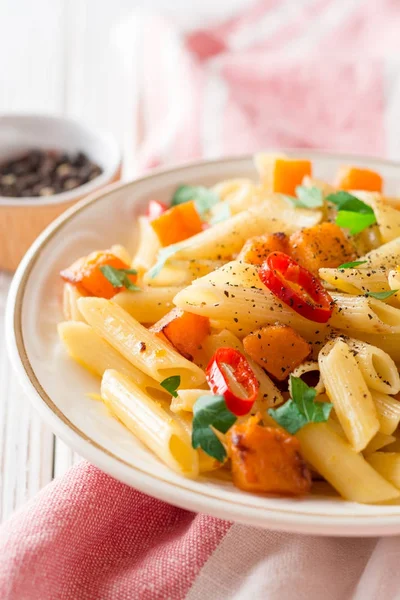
(171, 384)
(222, 212)
(307, 197)
(300, 409)
(203, 197)
(353, 213)
(352, 265)
(119, 277)
(381, 295)
(163, 255)
(211, 411)
(353, 221)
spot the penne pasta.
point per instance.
(388, 411)
(311, 366)
(377, 367)
(368, 315)
(348, 393)
(138, 345)
(387, 464)
(148, 246)
(152, 424)
(357, 281)
(96, 355)
(147, 305)
(379, 441)
(71, 296)
(181, 272)
(186, 400)
(346, 470)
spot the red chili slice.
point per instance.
(155, 209)
(230, 375)
(296, 287)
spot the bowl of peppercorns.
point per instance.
(46, 165)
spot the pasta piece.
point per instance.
(357, 281)
(138, 345)
(186, 400)
(388, 465)
(226, 238)
(346, 470)
(147, 305)
(239, 194)
(389, 343)
(386, 256)
(277, 348)
(324, 245)
(181, 272)
(96, 355)
(394, 284)
(280, 173)
(349, 394)
(184, 330)
(380, 440)
(266, 459)
(309, 367)
(388, 410)
(377, 367)
(225, 189)
(233, 273)
(268, 394)
(153, 425)
(71, 296)
(148, 247)
(122, 253)
(243, 309)
(350, 178)
(365, 315)
(326, 188)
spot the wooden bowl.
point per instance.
(22, 219)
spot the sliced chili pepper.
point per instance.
(296, 287)
(155, 209)
(230, 375)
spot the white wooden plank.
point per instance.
(32, 64)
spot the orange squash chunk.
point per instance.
(185, 331)
(267, 459)
(355, 178)
(323, 245)
(277, 348)
(283, 175)
(85, 274)
(257, 248)
(177, 223)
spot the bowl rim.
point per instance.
(110, 170)
(316, 523)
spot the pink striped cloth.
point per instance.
(310, 73)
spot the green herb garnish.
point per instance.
(352, 265)
(163, 255)
(171, 384)
(300, 409)
(119, 277)
(211, 411)
(381, 295)
(204, 198)
(353, 213)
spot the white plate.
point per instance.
(57, 386)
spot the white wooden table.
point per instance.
(56, 56)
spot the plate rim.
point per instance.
(270, 518)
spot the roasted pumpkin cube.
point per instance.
(85, 274)
(184, 330)
(281, 174)
(267, 459)
(321, 246)
(279, 349)
(257, 248)
(178, 223)
(355, 178)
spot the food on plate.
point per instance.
(256, 329)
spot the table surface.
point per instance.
(67, 64)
